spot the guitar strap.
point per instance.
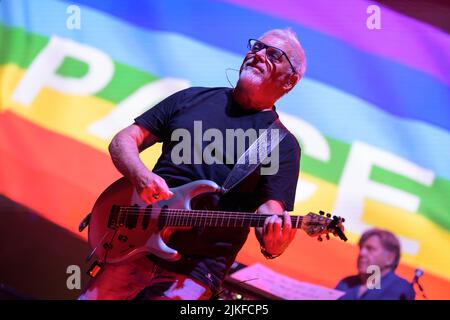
(255, 154)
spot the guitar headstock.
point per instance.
(317, 225)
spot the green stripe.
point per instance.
(20, 48)
(126, 80)
(330, 171)
(434, 200)
(73, 68)
(434, 204)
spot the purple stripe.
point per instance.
(400, 38)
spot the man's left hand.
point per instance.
(276, 236)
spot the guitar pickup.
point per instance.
(113, 216)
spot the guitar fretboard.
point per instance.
(129, 217)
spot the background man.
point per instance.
(377, 248)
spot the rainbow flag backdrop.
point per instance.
(372, 113)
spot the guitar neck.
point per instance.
(202, 218)
(222, 219)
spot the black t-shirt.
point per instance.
(207, 253)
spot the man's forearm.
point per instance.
(125, 156)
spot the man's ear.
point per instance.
(291, 82)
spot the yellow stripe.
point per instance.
(71, 115)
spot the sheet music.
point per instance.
(283, 286)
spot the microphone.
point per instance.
(226, 74)
(418, 273)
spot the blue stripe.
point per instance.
(335, 113)
(395, 88)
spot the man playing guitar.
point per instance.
(272, 67)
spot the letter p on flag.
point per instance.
(43, 71)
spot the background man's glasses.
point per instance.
(274, 54)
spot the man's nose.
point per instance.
(261, 54)
(362, 252)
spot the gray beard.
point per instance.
(250, 80)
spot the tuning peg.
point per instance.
(320, 239)
(343, 220)
(321, 212)
(328, 215)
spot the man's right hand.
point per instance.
(151, 187)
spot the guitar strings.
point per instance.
(177, 216)
(148, 211)
(219, 214)
(143, 211)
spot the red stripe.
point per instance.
(55, 176)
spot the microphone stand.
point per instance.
(416, 281)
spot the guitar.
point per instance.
(122, 226)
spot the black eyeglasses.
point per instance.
(274, 54)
